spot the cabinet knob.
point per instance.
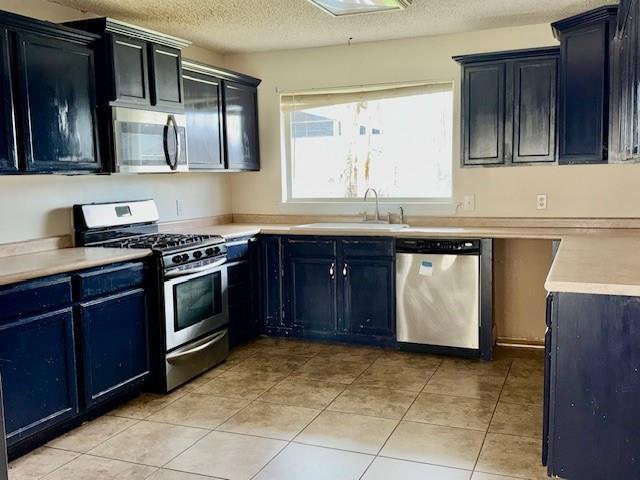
(344, 270)
(332, 269)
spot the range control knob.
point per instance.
(197, 254)
(209, 251)
(185, 257)
(177, 259)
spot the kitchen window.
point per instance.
(397, 140)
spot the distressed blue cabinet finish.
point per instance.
(275, 320)
(331, 288)
(38, 367)
(203, 108)
(8, 154)
(311, 287)
(534, 110)
(135, 67)
(244, 289)
(167, 76)
(593, 423)
(484, 114)
(57, 104)
(368, 308)
(130, 68)
(241, 126)
(585, 57)
(114, 344)
(509, 107)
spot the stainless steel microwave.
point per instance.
(148, 142)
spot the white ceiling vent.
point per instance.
(338, 8)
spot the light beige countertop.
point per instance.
(18, 268)
(607, 265)
(590, 260)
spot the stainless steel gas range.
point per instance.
(190, 319)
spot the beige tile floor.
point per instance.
(293, 410)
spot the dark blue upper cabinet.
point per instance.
(534, 110)
(114, 344)
(483, 114)
(509, 107)
(38, 367)
(585, 57)
(136, 67)
(8, 155)
(203, 107)
(241, 126)
(130, 70)
(167, 76)
(57, 104)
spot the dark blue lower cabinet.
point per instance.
(593, 387)
(311, 294)
(114, 344)
(38, 368)
(368, 295)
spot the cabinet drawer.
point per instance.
(314, 247)
(367, 248)
(35, 296)
(108, 280)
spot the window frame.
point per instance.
(287, 160)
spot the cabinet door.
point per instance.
(484, 114)
(8, 158)
(38, 368)
(366, 312)
(114, 344)
(241, 126)
(130, 70)
(166, 65)
(203, 107)
(57, 103)
(534, 110)
(583, 112)
(310, 279)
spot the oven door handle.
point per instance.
(204, 268)
(206, 343)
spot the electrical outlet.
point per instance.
(179, 208)
(469, 203)
(541, 201)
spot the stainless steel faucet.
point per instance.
(401, 214)
(377, 205)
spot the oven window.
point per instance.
(197, 300)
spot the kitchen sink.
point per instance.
(353, 226)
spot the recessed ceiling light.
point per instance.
(339, 8)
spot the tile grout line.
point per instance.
(491, 419)
(311, 421)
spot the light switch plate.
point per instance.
(469, 204)
(541, 201)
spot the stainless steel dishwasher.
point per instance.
(438, 293)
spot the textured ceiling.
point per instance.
(230, 26)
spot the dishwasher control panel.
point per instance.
(426, 245)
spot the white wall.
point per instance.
(573, 191)
(40, 206)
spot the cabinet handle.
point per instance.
(332, 270)
(344, 270)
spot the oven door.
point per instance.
(196, 304)
(149, 142)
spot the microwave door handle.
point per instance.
(178, 143)
(171, 123)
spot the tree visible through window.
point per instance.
(396, 140)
